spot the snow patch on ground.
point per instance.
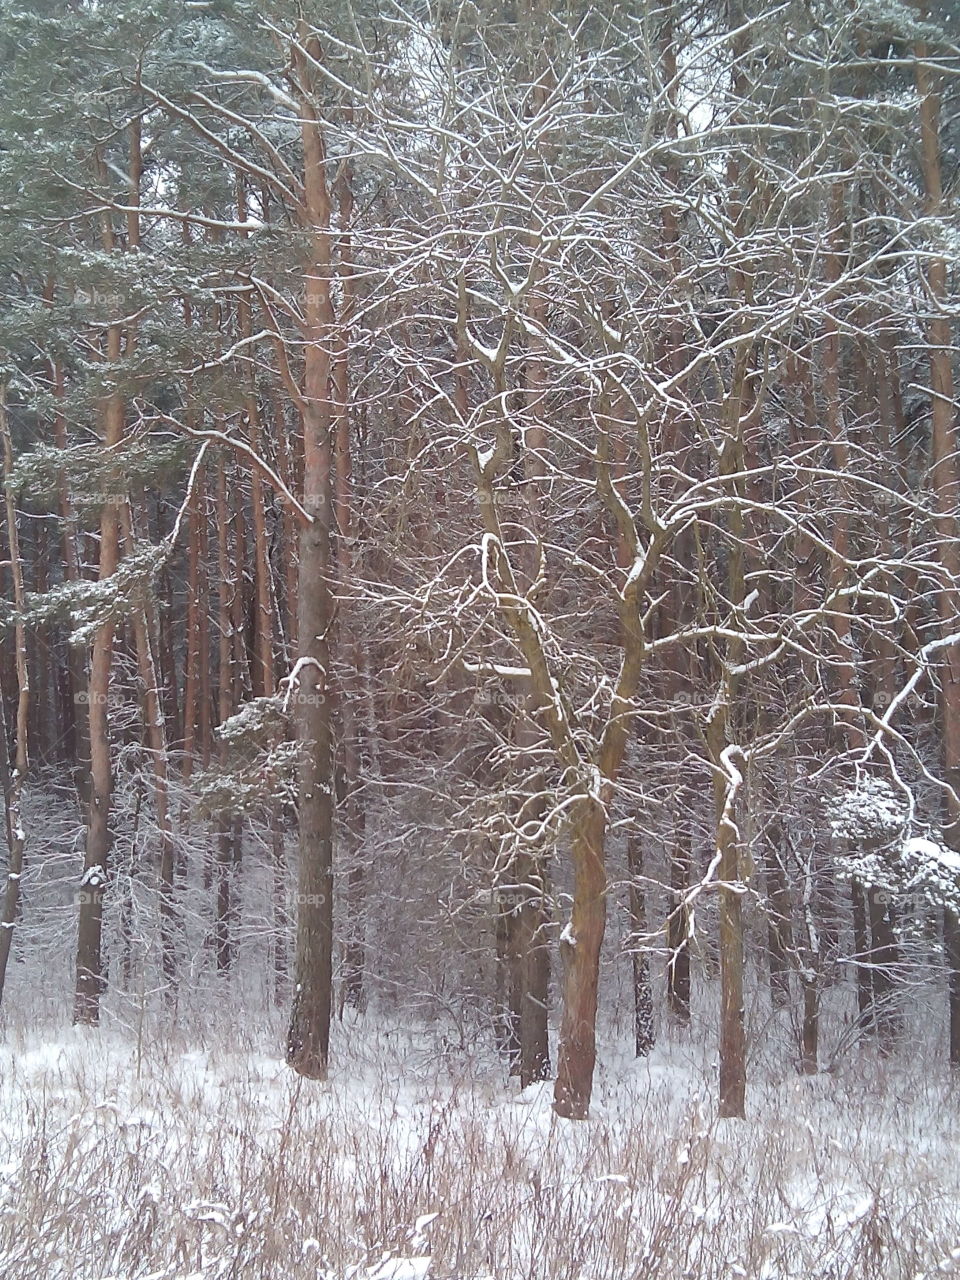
(139, 1156)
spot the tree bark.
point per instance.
(353, 817)
(580, 945)
(946, 486)
(644, 1034)
(226, 705)
(885, 958)
(196, 610)
(733, 1044)
(507, 1024)
(308, 1037)
(951, 935)
(13, 781)
(862, 956)
(810, 1026)
(76, 658)
(678, 926)
(779, 941)
(265, 678)
(531, 920)
(144, 634)
(90, 978)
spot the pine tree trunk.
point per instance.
(196, 601)
(265, 679)
(226, 705)
(76, 659)
(951, 935)
(41, 660)
(156, 741)
(126, 901)
(308, 1037)
(946, 486)
(13, 781)
(353, 817)
(290, 468)
(90, 978)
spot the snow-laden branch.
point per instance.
(241, 447)
(249, 77)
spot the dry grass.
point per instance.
(172, 1161)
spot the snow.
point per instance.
(203, 1132)
(253, 77)
(400, 1269)
(930, 851)
(485, 457)
(873, 809)
(488, 354)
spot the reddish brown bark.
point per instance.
(308, 1036)
(144, 633)
(14, 779)
(946, 486)
(227, 682)
(90, 976)
(350, 693)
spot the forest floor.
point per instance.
(141, 1153)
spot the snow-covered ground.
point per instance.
(174, 1144)
(143, 1152)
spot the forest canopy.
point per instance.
(481, 496)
